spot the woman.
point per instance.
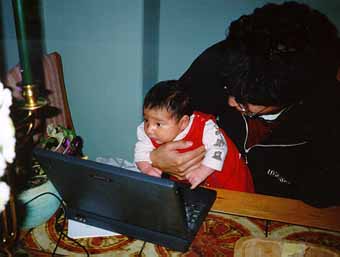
(272, 85)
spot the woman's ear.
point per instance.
(184, 122)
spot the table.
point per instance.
(277, 209)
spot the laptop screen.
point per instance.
(115, 193)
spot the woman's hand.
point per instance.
(169, 160)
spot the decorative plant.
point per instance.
(7, 141)
(61, 139)
(57, 139)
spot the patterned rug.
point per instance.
(216, 237)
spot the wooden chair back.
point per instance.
(53, 88)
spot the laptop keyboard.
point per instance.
(192, 212)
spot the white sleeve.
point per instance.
(216, 146)
(144, 146)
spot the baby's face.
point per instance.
(160, 126)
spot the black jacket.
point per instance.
(300, 158)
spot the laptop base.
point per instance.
(169, 241)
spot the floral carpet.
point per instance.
(216, 237)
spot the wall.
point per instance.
(114, 50)
(188, 27)
(101, 48)
(150, 43)
(9, 43)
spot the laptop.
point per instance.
(156, 210)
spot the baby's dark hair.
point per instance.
(170, 96)
(279, 54)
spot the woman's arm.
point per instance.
(169, 160)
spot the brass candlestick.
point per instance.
(25, 117)
(26, 125)
(32, 101)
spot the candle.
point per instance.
(23, 47)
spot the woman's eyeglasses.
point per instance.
(245, 110)
(244, 106)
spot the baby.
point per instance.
(168, 116)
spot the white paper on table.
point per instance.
(77, 229)
(118, 162)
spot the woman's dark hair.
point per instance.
(280, 53)
(170, 96)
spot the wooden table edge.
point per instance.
(276, 209)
